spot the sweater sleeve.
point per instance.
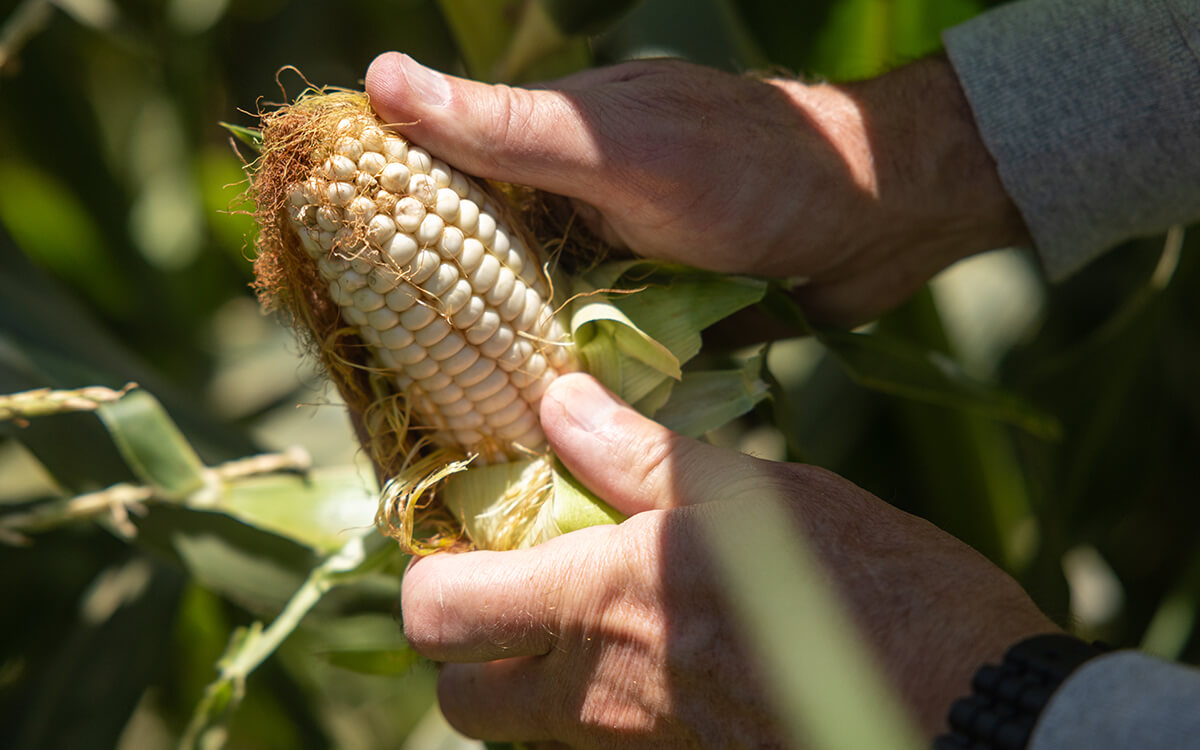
(1123, 700)
(1091, 109)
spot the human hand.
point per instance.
(865, 190)
(620, 636)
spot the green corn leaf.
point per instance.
(252, 137)
(898, 367)
(705, 400)
(892, 366)
(152, 445)
(321, 509)
(602, 360)
(653, 401)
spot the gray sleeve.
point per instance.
(1091, 109)
(1123, 700)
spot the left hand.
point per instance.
(620, 636)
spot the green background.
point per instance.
(123, 256)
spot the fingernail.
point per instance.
(587, 404)
(430, 86)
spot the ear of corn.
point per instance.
(432, 311)
(447, 297)
(436, 318)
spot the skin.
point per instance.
(619, 636)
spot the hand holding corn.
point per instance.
(621, 636)
(849, 186)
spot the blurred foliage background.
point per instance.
(123, 258)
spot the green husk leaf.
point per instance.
(674, 312)
(627, 336)
(653, 401)
(603, 359)
(575, 507)
(472, 493)
(705, 400)
(635, 342)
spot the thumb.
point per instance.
(634, 463)
(532, 137)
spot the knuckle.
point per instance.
(513, 112)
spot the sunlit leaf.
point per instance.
(798, 629)
(627, 336)
(252, 137)
(674, 312)
(321, 509)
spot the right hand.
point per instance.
(865, 190)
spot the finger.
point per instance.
(480, 606)
(634, 463)
(499, 701)
(533, 137)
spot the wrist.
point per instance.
(932, 165)
(928, 190)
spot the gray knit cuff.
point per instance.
(1125, 699)
(1091, 110)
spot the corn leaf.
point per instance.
(798, 628)
(639, 380)
(709, 32)
(892, 366)
(706, 400)
(586, 16)
(511, 40)
(321, 509)
(252, 137)
(602, 359)
(152, 444)
(633, 342)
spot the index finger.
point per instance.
(481, 606)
